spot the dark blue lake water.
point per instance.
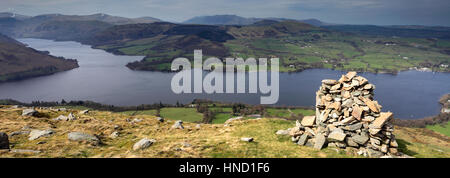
(103, 77)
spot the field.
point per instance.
(210, 140)
(310, 50)
(443, 129)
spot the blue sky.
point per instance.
(379, 12)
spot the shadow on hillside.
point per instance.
(403, 147)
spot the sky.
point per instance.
(376, 12)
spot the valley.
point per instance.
(300, 44)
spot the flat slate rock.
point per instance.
(80, 136)
(29, 112)
(35, 134)
(143, 144)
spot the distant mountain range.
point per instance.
(18, 61)
(238, 20)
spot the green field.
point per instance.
(440, 128)
(222, 114)
(330, 50)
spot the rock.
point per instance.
(374, 153)
(360, 139)
(319, 141)
(353, 127)
(198, 126)
(294, 132)
(136, 120)
(80, 136)
(233, 119)
(350, 75)
(115, 134)
(370, 104)
(282, 132)
(379, 122)
(61, 118)
(71, 117)
(35, 134)
(25, 151)
(29, 112)
(178, 125)
(349, 141)
(303, 139)
(21, 132)
(143, 144)
(329, 82)
(384, 148)
(393, 143)
(160, 119)
(4, 141)
(84, 111)
(356, 113)
(336, 136)
(247, 139)
(308, 121)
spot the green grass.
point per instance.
(440, 129)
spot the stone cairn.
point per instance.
(347, 116)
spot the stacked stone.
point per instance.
(347, 116)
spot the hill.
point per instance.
(62, 27)
(18, 61)
(118, 132)
(238, 20)
(298, 45)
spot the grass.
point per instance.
(443, 129)
(184, 114)
(211, 140)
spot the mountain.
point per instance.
(161, 42)
(19, 62)
(238, 20)
(13, 15)
(62, 27)
(221, 20)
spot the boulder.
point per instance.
(160, 119)
(35, 134)
(61, 118)
(303, 139)
(379, 122)
(143, 144)
(247, 139)
(336, 136)
(29, 112)
(20, 132)
(319, 141)
(282, 132)
(84, 111)
(360, 139)
(308, 121)
(115, 134)
(178, 125)
(4, 141)
(80, 136)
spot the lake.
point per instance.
(103, 77)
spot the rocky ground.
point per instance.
(58, 133)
